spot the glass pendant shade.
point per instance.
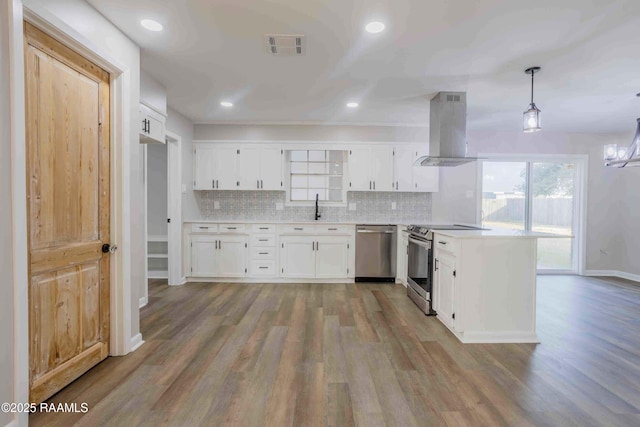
(531, 120)
(620, 157)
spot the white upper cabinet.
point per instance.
(411, 178)
(371, 169)
(237, 167)
(426, 179)
(260, 167)
(203, 165)
(151, 126)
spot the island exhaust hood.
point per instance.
(447, 131)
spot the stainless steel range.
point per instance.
(420, 263)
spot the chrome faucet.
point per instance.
(318, 215)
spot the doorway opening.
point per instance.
(163, 193)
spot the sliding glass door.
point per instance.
(526, 194)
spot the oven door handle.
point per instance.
(426, 245)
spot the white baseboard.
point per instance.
(498, 337)
(249, 280)
(143, 302)
(136, 342)
(613, 273)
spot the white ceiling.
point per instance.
(213, 50)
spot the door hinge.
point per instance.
(454, 273)
(453, 315)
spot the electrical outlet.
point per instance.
(352, 206)
(216, 204)
(393, 206)
(279, 206)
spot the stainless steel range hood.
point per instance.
(447, 131)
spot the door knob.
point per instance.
(107, 248)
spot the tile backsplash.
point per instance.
(261, 206)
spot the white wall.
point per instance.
(84, 19)
(157, 190)
(152, 93)
(311, 133)
(6, 249)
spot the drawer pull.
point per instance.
(298, 228)
(263, 253)
(333, 229)
(442, 242)
(263, 228)
(263, 268)
(203, 228)
(231, 228)
(263, 240)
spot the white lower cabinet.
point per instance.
(219, 255)
(445, 288)
(332, 257)
(298, 257)
(315, 257)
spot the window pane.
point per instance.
(335, 195)
(317, 155)
(317, 182)
(335, 182)
(299, 181)
(298, 156)
(552, 212)
(297, 194)
(299, 167)
(336, 156)
(504, 186)
(317, 168)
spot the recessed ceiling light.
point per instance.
(352, 104)
(374, 27)
(226, 104)
(151, 25)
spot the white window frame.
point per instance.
(287, 179)
(580, 198)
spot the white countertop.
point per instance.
(496, 232)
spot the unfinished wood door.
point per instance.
(67, 123)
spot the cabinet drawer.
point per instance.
(297, 229)
(232, 228)
(263, 268)
(263, 228)
(204, 228)
(263, 253)
(334, 229)
(445, 243)
(263, 240)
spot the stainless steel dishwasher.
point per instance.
(376, 253)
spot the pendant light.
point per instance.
(531, 120)
(620, 157)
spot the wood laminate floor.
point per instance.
(363, 354)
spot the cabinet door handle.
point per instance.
(257, 183)
(216, 243)
(374, 185)
(396, 185)
(217, 185)
(261, 184)
(436, 266)
(219, 244)
(442, 242)
(369, 185)
(213, 183)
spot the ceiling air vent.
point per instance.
(286, 44)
